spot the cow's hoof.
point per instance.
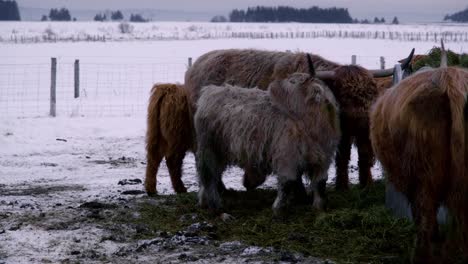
(152, 194)
(227, 218)
(180, 189)
(319, 204)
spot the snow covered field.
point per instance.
(51, 166)
(26, 32)
(115, 77)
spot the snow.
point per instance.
(99, 138)
(116, 77)
(111, 31)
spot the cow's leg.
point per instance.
(318, 187)
(366, 158)
(342, 161)
(300, 193)
(209, 170)
(424, 209)
(288, 186)
(154, 157)
(252, 179)
(174, 164)
(286, 195)
(463, 220)
(457, 244)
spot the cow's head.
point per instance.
(301, 93)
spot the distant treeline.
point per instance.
(9, 10)
(62, 14)
(290, 14)
(461, 16)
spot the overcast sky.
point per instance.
(357, 8)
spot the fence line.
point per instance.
(76, 88)
(414, 36)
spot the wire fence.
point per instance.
(100, 86)
(105, 89)
(393, 35)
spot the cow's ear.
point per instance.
(279, 95)
(286, 96)
(277, 91)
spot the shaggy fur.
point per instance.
(168, 134)
(247, 68)
(354, 89)
(419, 133)
(290, 129)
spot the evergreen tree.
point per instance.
(219, 19)
(59, 14)
(100, 17)
(44, 18)
(237, 16)
(117, 15)
(395, 21)
(290, 14)
(9, 10)
(137, 18)
(461, 16)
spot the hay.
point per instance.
(433, 59)
(355, 228)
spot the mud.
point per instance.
(106, 229)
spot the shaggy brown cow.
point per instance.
(419, 133)
(353, 87)
(168, 134)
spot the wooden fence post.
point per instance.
(382, 62)
(190, 62)
(53, 86)
(77, 78)
(353, 60)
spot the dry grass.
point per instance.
(355, 228)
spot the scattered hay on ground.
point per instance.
(356, 227)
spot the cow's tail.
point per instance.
(153, 131)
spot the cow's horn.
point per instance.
(325, 75)
(443, 55)
(382, 73)
(397, 74)
(389, 72)
(311, 65)
(406, 62)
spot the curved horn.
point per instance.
(311, 65)
(389, 72)
(325, 75)
(443, 55)
(398, 74)
(381, 73)
(406, 62)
